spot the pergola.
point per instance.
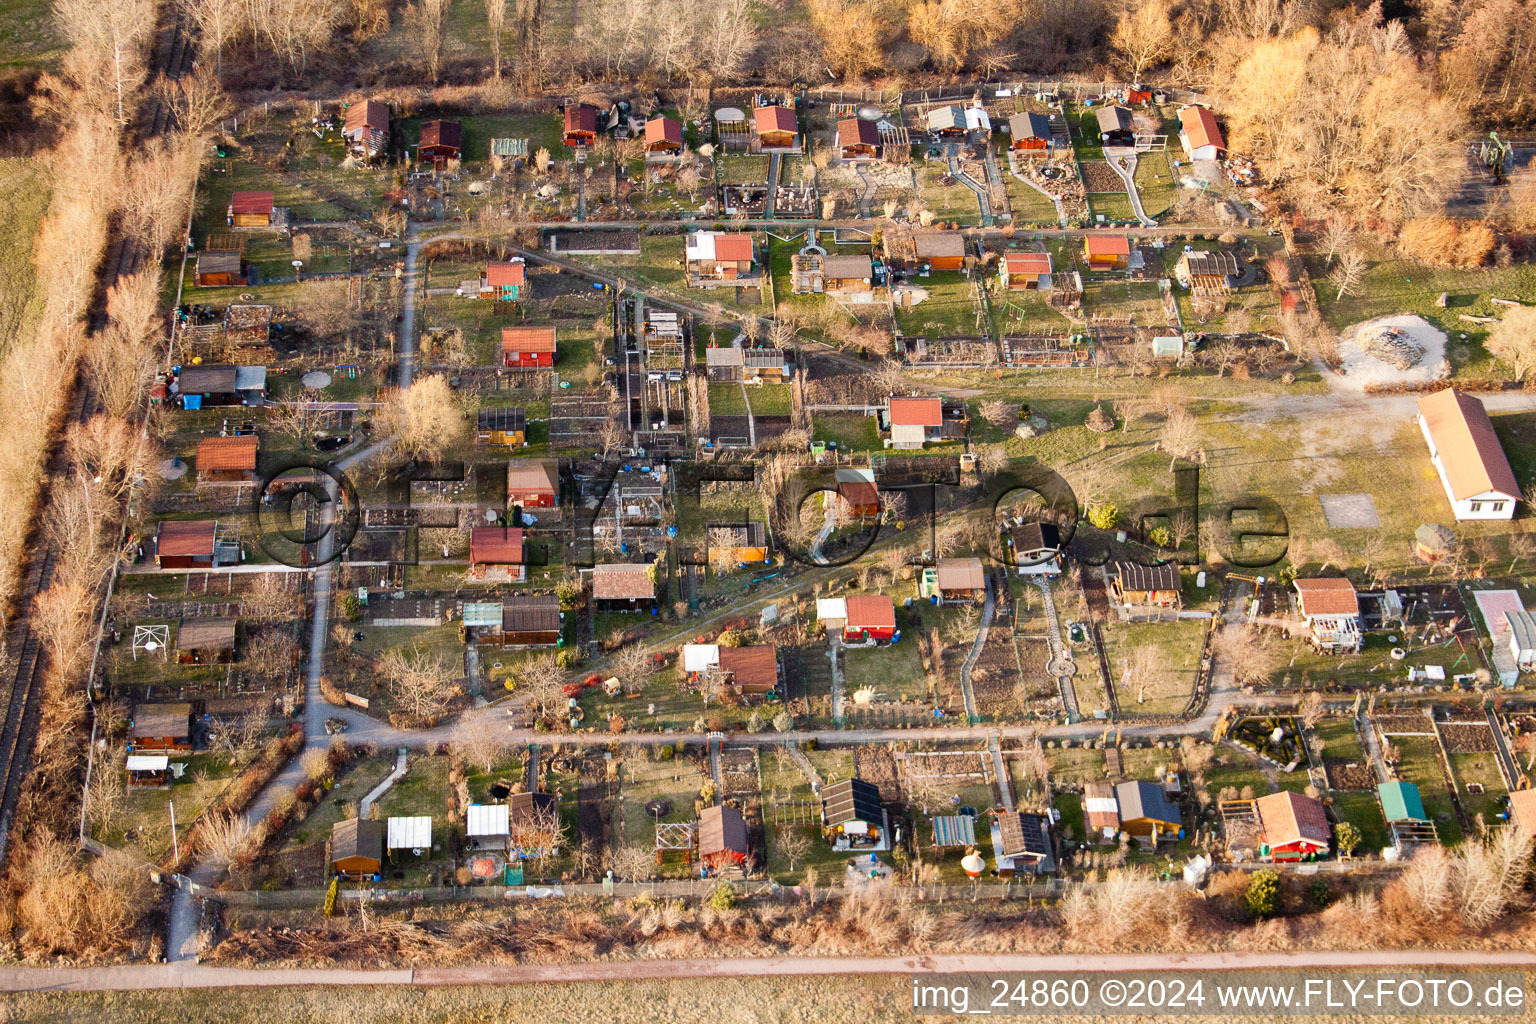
(151, 639)
(675, 835)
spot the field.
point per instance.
(1155, 183)
(1177, 649)
(954, 204)
(847, 430)
(949, 310)
(24, 196)
(1028, 205)
(28, 36)
(1395, 286)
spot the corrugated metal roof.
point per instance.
(1400, 802)
(954, 830)
(1522, 627)
(482, 613)
(413, 833)
(487, 820)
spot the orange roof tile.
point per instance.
(733, 248)
(775, 119)
(663, 129)
(1107, 245)
(1469, 449)
(495, 545)
(1330, 596)
(499, 275)
(528, 339)
(1027, 262)
(1288, 817)
(1200, 128)
(871, 611)
(224, 453)
(916, 412)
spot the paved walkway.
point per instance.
(182, 941)
(1128, 175)
(1061, 665)
(1061, 213)
(402, 759)
(189, 975)
(988, 610)
(1004, 786)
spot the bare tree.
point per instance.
(1143, 36)
(1336, 238)
(479, 738)
(425, 19)
(1513, 339)
(1349, 272)
(543, 677)
(421, 682)
(1312, 709)
(634, 666)
(792, 844)
(495, 23)
(217, 21)
(635, 863)
(539, 833)
(1249, 652)
(196, 100)
(1180, 438)
(425, 419)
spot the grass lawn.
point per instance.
(742, 169)
(1362, 811)
(1072, 825)
(1341, 742)
(1177, 645)
(423, 790)
(768, 399)
(1076, 764)
(1026, 312)
(1482, 771)
(1086, 140)
(24, 194)
(145, 824)
(341, 802)
(847, 430)
(315, 188)
(1112, 207)
(1028, 205)
(29, 36)
(727, 400)
(952, 203)
(676, 783)
(948, 311)
(846, 999)
(1396, 286)
(894, 673)
(1155, 183)
(1420, 765)
(543, 131)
